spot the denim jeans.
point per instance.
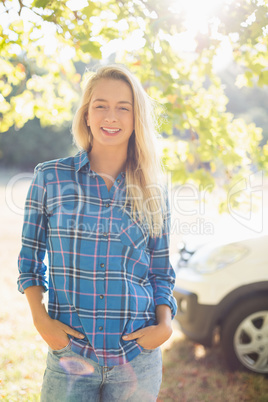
(70, 377)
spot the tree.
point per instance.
(211, 142)
(32, 144)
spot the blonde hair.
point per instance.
(144, 171)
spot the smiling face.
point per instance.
(110, 113)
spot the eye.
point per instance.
(100, 107)
(124, 108)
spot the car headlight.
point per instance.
(210, 258)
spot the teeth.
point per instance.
(111, 130)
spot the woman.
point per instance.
(103, 218)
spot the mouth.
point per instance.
(110, 131)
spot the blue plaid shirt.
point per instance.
(106, 274)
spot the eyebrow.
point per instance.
(104, 100)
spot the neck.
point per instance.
(107, 161)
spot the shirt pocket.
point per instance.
(61, 214)
(133, 233)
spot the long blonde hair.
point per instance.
(144, 171)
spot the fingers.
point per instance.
(133, 335)
(72, 332)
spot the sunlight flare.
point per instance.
(198, 13)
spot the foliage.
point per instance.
(248, 103)
(33, 144)
(212, 143)
(246, 24)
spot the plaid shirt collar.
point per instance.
(81, 160)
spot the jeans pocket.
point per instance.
(60, 351)
(147, 351)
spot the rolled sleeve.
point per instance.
(161, 273)
(32, 270)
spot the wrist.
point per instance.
(166, 327)
(163, 315)
(40, 318)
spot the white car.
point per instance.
(225, 286)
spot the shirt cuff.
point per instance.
(25, 282)
(171, 302)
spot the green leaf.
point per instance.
(88, 11)
(110, 33)
(263, 78)
(40, 3)
(49, 18)
(93, 48)
(18, 26)
(249, 75)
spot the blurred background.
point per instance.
(206, 65)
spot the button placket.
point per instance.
(105, 204)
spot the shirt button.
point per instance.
(101, 296)
(100, 328)
(107, 205)
(118, 180)
(105, 234)
(102, 265)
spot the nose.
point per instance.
(111, 115)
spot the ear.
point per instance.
(87, 120)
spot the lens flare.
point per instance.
(76, 366)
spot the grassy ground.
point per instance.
(190, 374)
(193, 373)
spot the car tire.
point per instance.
(244, 336)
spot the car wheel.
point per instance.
(244, 336)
